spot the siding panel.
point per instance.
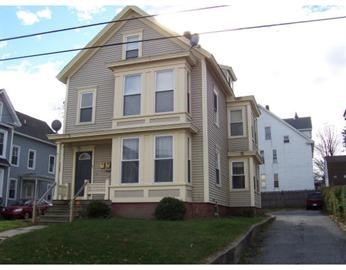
(238, 144)
(217, 136)
(197, 139)
(240, 199)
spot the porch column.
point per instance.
(57, 170)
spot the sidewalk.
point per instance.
(10, 233)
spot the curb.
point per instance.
(232, 253)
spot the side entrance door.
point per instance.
(83, 170)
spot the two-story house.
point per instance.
(27, 156)
(149, 116)
(287, 151)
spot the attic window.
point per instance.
(286, 139)
(132, 48)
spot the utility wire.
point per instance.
(175, 36)
(108, 22)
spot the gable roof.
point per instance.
(10, 108)
(33, 127)
(263, 109)
(111, 28)
(300, 122)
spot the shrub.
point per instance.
(98, 209)
(170, 209)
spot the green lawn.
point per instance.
(124, 241)
(12, 224)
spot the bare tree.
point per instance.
(328, 144)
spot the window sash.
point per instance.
(164, 101)
(189, 160)
(132, 84)
(87, 100)
(164, 170)
(51, 166)
(275, 156)
(188, 90)
(237, 124)
(31, 159)
(86, 107)
(15, 156)
(129, 171)
(164, 80)
(130, 149)
(268, 135)
(164, 147)
(217, 168)
(276, 180)
(2, 141)
(12, 190)
(132, 104)
(238, 175)
(132, 45)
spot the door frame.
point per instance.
(76, 149)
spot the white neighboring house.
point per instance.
(286, 148)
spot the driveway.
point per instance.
(300, 237)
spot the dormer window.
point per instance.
(132, 48)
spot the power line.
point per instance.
(175, 36)
(108, 22)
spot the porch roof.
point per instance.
(34, 176)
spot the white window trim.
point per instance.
(34, 161)
(127, 34)
(18, 157)
(218, 156)
(51, 172)
(243, 115)
(140, 93)
(3, 131)
(122, 159)
(217, 118)
(173, 155)
(15, 189)
(80, 93)
(174, 87)
(246, 173)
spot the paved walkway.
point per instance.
(301, 237)
(10, 233)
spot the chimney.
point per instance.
(296, 116)
(267, 107)
(187, 34)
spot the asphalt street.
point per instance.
(300, 237)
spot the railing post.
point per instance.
(107, 185)
(86, 191)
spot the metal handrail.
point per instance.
(86, 182)
(45, 194)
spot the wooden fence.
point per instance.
(285, 199)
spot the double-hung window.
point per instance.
(86, 106)
(12, 189)
(237, 128)
(130, 161)
(51, 164)
(268, 133)
(276, 180)
(216, 107)
(3, 142)
(31, 159)
(164, 159)
(217, 168)
(164, 94)
(238, 175)
(132, 95)
(15, 155)
(132, 46)
(275, 156)
(262, 155)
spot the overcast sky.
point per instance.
(297, 68)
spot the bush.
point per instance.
(170, 209)
(98, 209)
(335, 201)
